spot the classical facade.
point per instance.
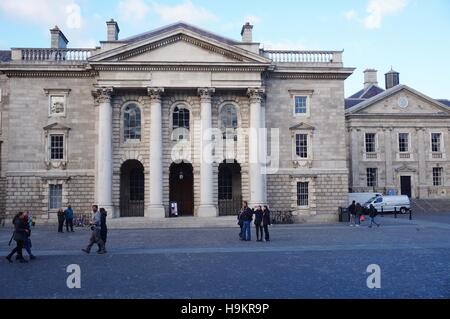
(175, 115)
(398, 140)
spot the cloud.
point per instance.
(65, 13)
(133, 11)
(376, 10)
(185, 11)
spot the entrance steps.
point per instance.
(176, 222)
(428, 206)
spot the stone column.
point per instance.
(256, 177)
(104, 150)
(207, 207)
(422, 176)
(388, 158)
(156, 207)
(356, 155)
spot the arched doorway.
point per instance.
(230, 188)
(182, 188)
(132, 189)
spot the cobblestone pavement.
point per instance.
(301, 261)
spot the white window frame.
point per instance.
(302, 161)
(49, 196)
(376, 176)
(309, 99)
(409, 142)
(51, 93)
(309, 194)
(441, 179)
(375, 142)
(56, 163)
(441, 145)
(122, 127)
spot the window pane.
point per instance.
(437, 176)
(132, 123)
(56, 147)
(371, 177)
(301, 145)
(180, 118)
(300, 104)
(370, 142)
(435, 142)
(302, 194)
(403, 142)
(225, 184)
(55, 196)
(228, 121)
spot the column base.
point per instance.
(157, 211)
(207, 211)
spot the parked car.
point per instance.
(361, 197)
(389, 204)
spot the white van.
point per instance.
(390, 203)
(361, 197)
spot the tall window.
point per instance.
(180, 118)
(55, 196)
(301, 104)
(57, 147)
(437, 176)
(372, 177)
(301, 145)
(436, 142)
(302, 194)
(370, 143)
(403, 142)
(131, 122)
(228, 121)
(225, 184)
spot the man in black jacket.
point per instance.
(258, 223)
(246, 221)
(266, 222)
(352, 211)
(372, 214)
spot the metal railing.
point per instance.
(132, 208)
(229, 207)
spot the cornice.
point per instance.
(307, 75)
(50, 74)
(180, 67)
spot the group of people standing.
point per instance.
(262, 222)
(357, 212)
(67, 216)
(22, 236)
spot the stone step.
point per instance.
(178, 222)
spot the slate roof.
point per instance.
(175, 26)
(5, 56)
(444, 101)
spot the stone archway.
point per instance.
(132, 189)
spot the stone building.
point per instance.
(123, 125)
(398, 140)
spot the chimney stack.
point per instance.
(392, 79)
(246, 33)
(58, 39)
(113, 30)
(370, 78)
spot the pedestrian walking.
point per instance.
(266, 222)
(247, 220)
(240, 218)
(68, 215)
(28, 222)
(61, 218)
(359, 212)
(258, 223)
(103, 228)
(352, 211)
(96, 232)
(19, 235)
(372, 214)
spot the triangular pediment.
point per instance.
(302, 126)
(178, 43)
(400, 100)
(56, 127)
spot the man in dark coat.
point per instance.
(20, 235)
(372, 214)
(258, 223)
(352, 211)
(68, 214)
(266, 222)
(247, 219)
(61, 218)
(103, 228)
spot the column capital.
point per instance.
(155, 93)
(255, 94)
(205, 93)
(103, 94)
